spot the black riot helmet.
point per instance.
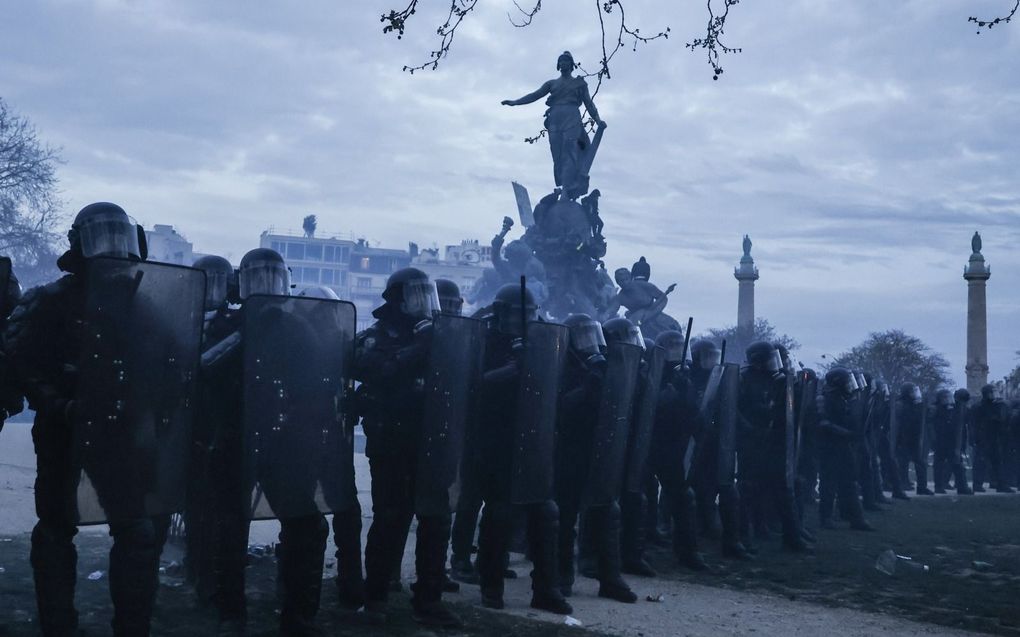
(705, 354)
(323, 292)
(586, 337)
(961, 395)
(410, 290)
(943, 398)
(911, 392)
(841, 379)
(764, 356)
(862, 383)
(621, 330)
(808, 375)
(990, 393)
(218, 273)
(263, 271)
(673, 342)
(511, 315)
(103, 229)
(450, 300)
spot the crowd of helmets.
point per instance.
(737, 452)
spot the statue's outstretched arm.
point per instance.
(530, 97)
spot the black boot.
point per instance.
(54, 561)
(605, 530)
(299, 566)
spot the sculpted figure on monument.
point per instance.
(572, 150)
(643, 301)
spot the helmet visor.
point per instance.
(421, 300)
(710, 358)
(633, 336)
(264, 277)
(215, 289)
(108, 235)
(586, 337)
(774, 363)
(451, 304)
(851, 384)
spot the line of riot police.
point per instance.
(161, 389)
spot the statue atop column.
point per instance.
(572, 150)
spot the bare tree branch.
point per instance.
(29, 206)
(528, 15)
(712, 43)
(989, 23)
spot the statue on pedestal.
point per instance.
(572, 150)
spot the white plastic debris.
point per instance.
(95, 575)
(570, 621)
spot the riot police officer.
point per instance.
(722, 519)
(450, 299)
(942, 417)
(762, 443)
(213, 402)
(677, 426)
(837, 440)
(990, 422)
(910, 437)
(508, 348)
(11, 400)
(391, 362)
(43, 342)
(888, 466)
(584, 386)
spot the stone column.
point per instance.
(745, 274)
(976, 272)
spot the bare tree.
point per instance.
(617, 32)
(309, 225)
(29, 205)
(737, 339)
(898, 358)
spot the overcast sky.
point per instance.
(860, 143)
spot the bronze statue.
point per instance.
(572, 150)
(975, 243)
(747, 247)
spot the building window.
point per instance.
(343, 254)
(313, 252)
(341, 277)
(364, 282)
(311, 275)
(365, 262)
(296, 251)
(278, 246)
(327, 276)
(329, 254)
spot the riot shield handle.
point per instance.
(687, 340)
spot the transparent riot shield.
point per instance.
(609, 439)
(298, 450)
(646, 400)
(790, 429)
(545, 354)
(451, 386)
(726, 421)
(134, 401)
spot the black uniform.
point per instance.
(578, 415)
(888, 465)
(990, 422)
(43, 341)
(391, 363)
(677, 425)
(910, 416)
(500, 387)
(11, 400)
(762, 453)
(837, 441)
(949, 426)
(706, 482)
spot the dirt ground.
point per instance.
(970, 543)
(178, 615)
